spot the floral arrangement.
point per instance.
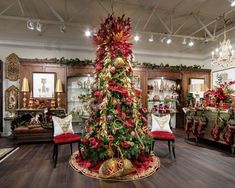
(222, 93)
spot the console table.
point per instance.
(206, 124)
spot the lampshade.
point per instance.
(25, 85)
(59, 87)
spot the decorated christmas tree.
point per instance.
(117, 138)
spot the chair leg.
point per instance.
(54, 148)
(173, 148)
(169, 146)
(153, 145)
(71, 148)
(56, 155)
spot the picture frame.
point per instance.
(197, 81)
(43, 84)
(11, 99)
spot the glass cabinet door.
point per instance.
(79, 88)
(162, 97)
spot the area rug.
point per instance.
(6, 152)
(142, 172)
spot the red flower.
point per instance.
(98, 67)
(97, 93)
(92, 140)
(129, 123)
(85, 141)
(122, 115)
(126, 145)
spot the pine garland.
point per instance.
(78, 62)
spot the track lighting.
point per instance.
(184, 41)
(191, 43)
(30, 24)
(136, 38)
(232, 3)
(87, 33)
(168, 41)
(39, 26)
(151, 38)
(62, 28)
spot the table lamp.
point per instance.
(25, 89)
(58, 90)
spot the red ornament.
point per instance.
(113, 70)
(110, 138)
(126, 145)
(98, 67)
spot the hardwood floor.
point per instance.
(195, 166)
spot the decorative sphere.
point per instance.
(132, 133)
(113, 70)
(119, 62)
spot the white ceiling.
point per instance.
(157, 17)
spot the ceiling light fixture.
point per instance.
(232, 3)
(224, 55)
(184, 41)
(191, 43)
(62, 28)
(39, 26)
(168, 41)
(136, 38)
(151, 38)
(87, 33)
(30, 24)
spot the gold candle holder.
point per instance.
(25, 89)
(59, 90)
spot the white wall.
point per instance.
(47, 51)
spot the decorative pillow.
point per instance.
(62, 125)
(161, 123)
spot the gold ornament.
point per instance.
(132, 133)
(119, 62)
(128, 167)
(114, 101)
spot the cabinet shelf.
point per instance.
(75, 91)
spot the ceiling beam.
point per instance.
(150, 16)
(178, 36)
(203, 26)
(180, 27)
(163, 23)
(57, 15)
(3, 11)
(103, 6)
(213, 21)
(21, 7)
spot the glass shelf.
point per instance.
(78, 87)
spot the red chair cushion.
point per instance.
(162, 135)
(66, 138)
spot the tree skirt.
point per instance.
(144, 168)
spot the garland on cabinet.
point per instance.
(79, 62)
